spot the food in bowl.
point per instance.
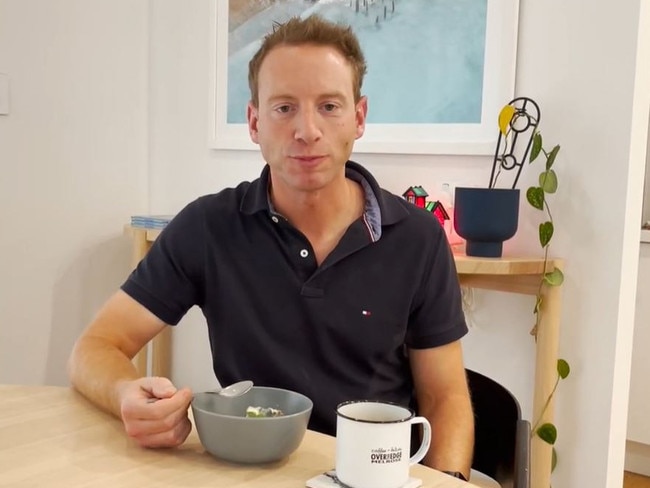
(227, 433)
(258, 412)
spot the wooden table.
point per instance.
(520, 275)
(52, 437)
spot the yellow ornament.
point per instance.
(505, 117)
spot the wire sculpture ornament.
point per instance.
(518, 123)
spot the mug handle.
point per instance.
(426, 440)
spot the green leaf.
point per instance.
(537, 147)
(548, 433)
(535, 196)
(545, 233)
(548, 181)
(553, 459)
(563, 368)
(551, 157)
(554, 278)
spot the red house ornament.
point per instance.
(438, 209)
(416, 195)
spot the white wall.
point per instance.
(638, 422)
(74, 157)
(637, 454)
(582, 72)
(73, 160)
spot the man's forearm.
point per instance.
(96, 369)
(452, 426)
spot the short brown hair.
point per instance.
(311, 30)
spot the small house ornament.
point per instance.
(438, 209)
(417, 195)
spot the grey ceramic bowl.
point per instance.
(226, 432)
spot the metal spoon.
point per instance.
(231, 391)
(234, 390)
(332, 475)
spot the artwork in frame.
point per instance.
(439, 71)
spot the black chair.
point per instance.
(502, 437)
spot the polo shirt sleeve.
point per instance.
(169, 279)
(437, 316)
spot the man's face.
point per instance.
(307, 121)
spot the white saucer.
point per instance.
(329, 480)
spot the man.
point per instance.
(311, 278)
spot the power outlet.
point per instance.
(4, 94)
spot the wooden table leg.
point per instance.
(159, 349)
(161, 353)
(545, 378)
(140, 248)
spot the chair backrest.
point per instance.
(502, 437)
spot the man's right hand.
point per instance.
(154, 412)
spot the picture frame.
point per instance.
(458, 138)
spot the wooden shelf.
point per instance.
(500, 266)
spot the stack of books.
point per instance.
(150, 221)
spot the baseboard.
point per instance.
(637, 458)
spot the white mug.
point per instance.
(373, 441)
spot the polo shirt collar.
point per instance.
(256, 197)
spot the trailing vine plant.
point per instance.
(536, 197)
(517, 118)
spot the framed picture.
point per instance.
(439, 71)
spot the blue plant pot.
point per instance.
(485, 217)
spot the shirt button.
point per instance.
(274, 219)
(304, 253)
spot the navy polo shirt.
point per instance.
(334, 332)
